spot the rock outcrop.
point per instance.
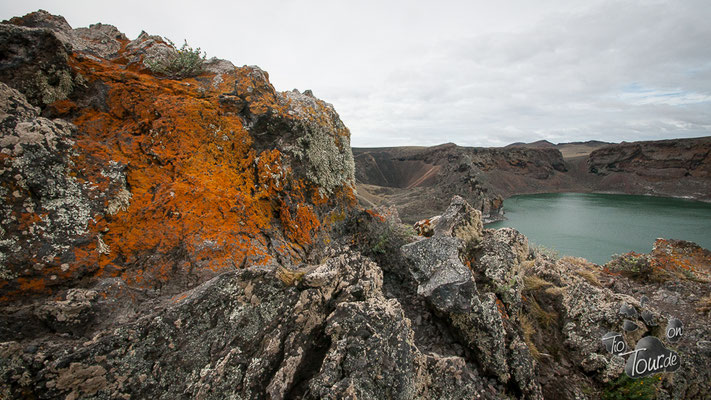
(675, 168)
(109, 171)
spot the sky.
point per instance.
(475, 73)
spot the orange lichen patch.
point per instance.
(26, 220)
(179, 298)
(31, 285)
(669, 259)
(62, 107)
(202, 197)
(502, 308)
(375, 215)
(681, 258)
(191, 174)
(317, 198)
(259, 93)
(299, 227)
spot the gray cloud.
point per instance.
(411, 72)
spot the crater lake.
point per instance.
(596, 226)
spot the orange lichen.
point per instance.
(31, 285)
(375, 215)
(201, 196)
(502, 308)
(680, 259)
(669, 259)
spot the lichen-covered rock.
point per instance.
(166, 238)
(440, 274)
(588, 301)
(454, 290)
(372, 354)
(460, 220)
(48, 204)
(160, 182)
(238, 329)
(35, 62)
(245, 334)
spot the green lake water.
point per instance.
(596, 226)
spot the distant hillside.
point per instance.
(569, 150)
(420, 180)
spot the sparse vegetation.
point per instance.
(631, 265)
(182, 63)
(544, 318)
(289, 277)
(589, 276)
(545, 252)
(532, 282)
(704, 305)
(528, 264)
(628, 389)
(528, 332)
(555, 291)
(577, 262)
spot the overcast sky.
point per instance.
(477, 73)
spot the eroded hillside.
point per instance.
(420, 180)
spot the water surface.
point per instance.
(596, 226)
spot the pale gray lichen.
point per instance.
(120, 202)
(50, 93)
(39, 178)
(329, 166)
(42, 160)
(5, 272)
(122, 199)
(101, 247)
(324, 143)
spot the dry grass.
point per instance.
(528, 264)
(528, 332)
(589, 276)
(576, 262)
(704, 305)
(544, 318)
(555, 291)
(289, 277)
(533, 282)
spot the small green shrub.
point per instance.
(378, 237)
(183, 63)
(628, 388)
(631, 265)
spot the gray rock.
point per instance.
(450, 287)
(35, 63)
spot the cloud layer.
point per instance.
(420, 73)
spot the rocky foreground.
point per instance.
(199, 238)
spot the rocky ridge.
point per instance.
(199, 238)
(419, 181)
